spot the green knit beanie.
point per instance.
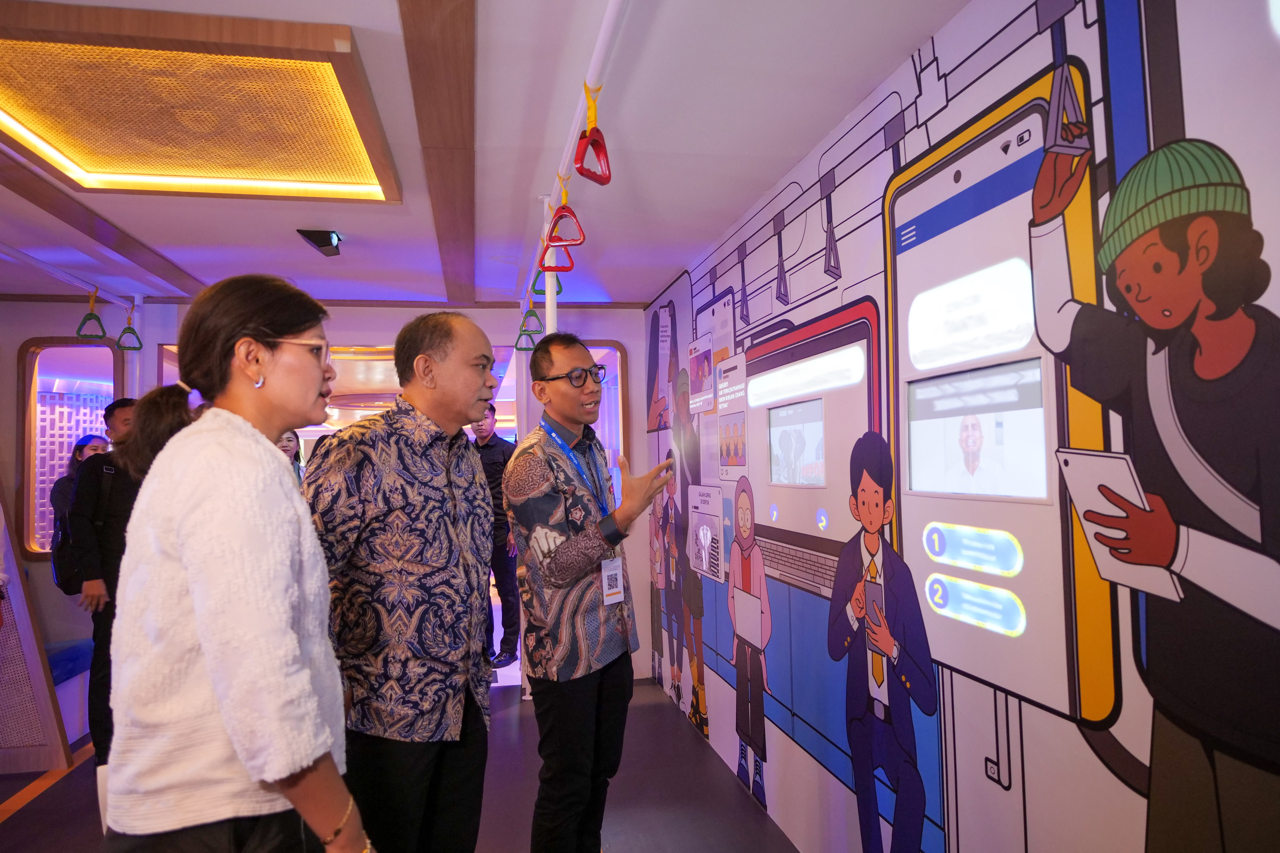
(1181, 178)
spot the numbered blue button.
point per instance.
(823, 521)
(939, 597)
(773, 512)
(993, 552)
(935, 541)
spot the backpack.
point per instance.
(66, 574)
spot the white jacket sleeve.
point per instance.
(1056, 307)
(239, 548)
(1242, 577)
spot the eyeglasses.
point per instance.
(578, 376)
(308, 342)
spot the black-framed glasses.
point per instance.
(578, 376)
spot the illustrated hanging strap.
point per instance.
(1213, 491)
(600, 499)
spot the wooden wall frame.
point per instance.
(623, 389)
(210, 34)
(28, 353)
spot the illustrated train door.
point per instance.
(977, 408)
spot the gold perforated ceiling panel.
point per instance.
(125, 118)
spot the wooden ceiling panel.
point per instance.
(440, 39)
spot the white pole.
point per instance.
(595, 74)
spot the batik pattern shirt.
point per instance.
(405, 519)
(562, 535)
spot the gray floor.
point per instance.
(672, 794)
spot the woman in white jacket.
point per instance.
(227, 698)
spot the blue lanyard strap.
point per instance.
(573, 457)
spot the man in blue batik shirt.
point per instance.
(405, 517)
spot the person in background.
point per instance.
(580, 625)
(406, 523)
(495, 453)
(63, 489)
(118, 416)
(96, 549)
(290, 445)
(227, 696)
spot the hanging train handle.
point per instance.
(521, 346)
(129, 330)
(544, 266)
(536, 291)
(527, 329)
(91, 317)
(592, 138)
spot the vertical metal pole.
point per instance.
(553, 284)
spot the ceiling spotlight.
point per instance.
(326, 242)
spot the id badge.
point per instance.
(611, 580)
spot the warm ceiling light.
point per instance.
(119, 105)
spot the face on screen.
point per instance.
(979, 432)
(970, 435)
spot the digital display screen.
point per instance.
(796, 453)
(980, 432)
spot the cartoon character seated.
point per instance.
(875, 620)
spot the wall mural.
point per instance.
(973, 538)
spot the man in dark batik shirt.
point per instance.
(405, 519)
(580, 621)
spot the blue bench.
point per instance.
(69, 659)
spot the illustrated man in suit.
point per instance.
(875, 620)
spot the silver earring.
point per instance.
(261, 380)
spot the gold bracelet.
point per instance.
(332, 838)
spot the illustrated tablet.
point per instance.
(1084, 471)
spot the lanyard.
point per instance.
(573, 457)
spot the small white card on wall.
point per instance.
(731, 409)
(702, 386)
(706, 533)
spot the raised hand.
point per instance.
(1060, 177)
(637, 492)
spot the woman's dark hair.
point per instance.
(1238, 275)
(77, 451)
(262, 307)
(158, 417)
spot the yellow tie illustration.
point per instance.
(877, 659)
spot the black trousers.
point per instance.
(503, 566)
(283, 832)
(100, 724)
(581, 723)
(421, 797)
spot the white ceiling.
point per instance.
(705, 105)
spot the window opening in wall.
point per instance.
(69, 388)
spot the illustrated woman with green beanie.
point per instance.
(1192, 364)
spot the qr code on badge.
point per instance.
(611, 583)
